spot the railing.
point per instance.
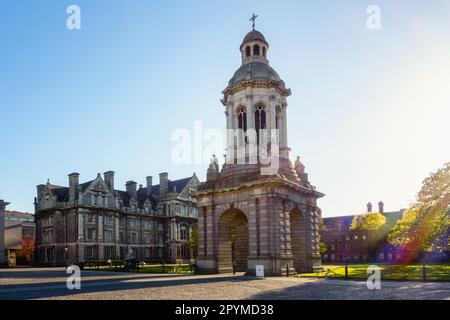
(388, 272)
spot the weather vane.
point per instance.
(253, 18)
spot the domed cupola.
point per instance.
(254, 47)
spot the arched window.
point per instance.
(242, 119)
(247, 51)
(264, 52)
(184, 232)
(256, 50)
(260, 120)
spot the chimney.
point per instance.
(369, 207)
(163, 182)
(131, 189)
(74, 181)
(149, 184)
(109, 180)
(381, 207)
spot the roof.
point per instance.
(253, 35)
(255, 70)
(391, 217)
(178, 184)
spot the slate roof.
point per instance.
(391, 218)
(255, 70)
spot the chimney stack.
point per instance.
(109, 180)
(131, 187)
(40, 191)
(163, 182)
(149, 184)
(369, 207)
(381, 207)
(74, 182)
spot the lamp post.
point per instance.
(66, 254)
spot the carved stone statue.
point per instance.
(299, 167)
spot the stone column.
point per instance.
(283, 126)
(250, 113)
(207, 263)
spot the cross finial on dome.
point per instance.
(253, 18)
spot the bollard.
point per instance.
(234, 266)
(424, 273)
(346, 272)
(287, 270)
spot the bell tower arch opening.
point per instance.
(232, 241)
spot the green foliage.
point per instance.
(370, 221)
(193, 241)
(322, 248)
(425, 225)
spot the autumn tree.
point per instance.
(425, 226)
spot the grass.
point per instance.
(172, 268)
(388, 272)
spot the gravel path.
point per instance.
(50, 283)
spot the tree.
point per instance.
(370, 221)
(26, 254)
(193, 242)
(425, 226)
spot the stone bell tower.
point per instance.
(258, 209)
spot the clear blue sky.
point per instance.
(369, 111)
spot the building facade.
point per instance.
(253, 212)
(19, 237)
(344, 245)
(3, 205)
(94, 221)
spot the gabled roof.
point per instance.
(178, 184)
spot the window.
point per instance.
(93, 199)
(242, 119)
(260, 120)
(339, 237)
(90, 234)
(339, 227)
(184, 232)
(256, 50)
(247, 51)
(109, 220)
(134, 237)
(108, 252)
(122, 237)
(194, 212)
(89, 252)
(364, 237)
(347, 237)
(264, 52)
(108, 236)
(90, 218)
(147, 238)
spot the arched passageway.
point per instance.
(232, 241)
(298, 239)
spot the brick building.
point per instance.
(345, 245)
(94, 221)
(3, 205)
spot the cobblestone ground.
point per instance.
(50, 283)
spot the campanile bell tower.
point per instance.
(249, 215)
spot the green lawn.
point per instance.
(183, 269)
(388, 272)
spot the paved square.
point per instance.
(50, 283)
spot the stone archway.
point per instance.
(298, 239)
(232, 241)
